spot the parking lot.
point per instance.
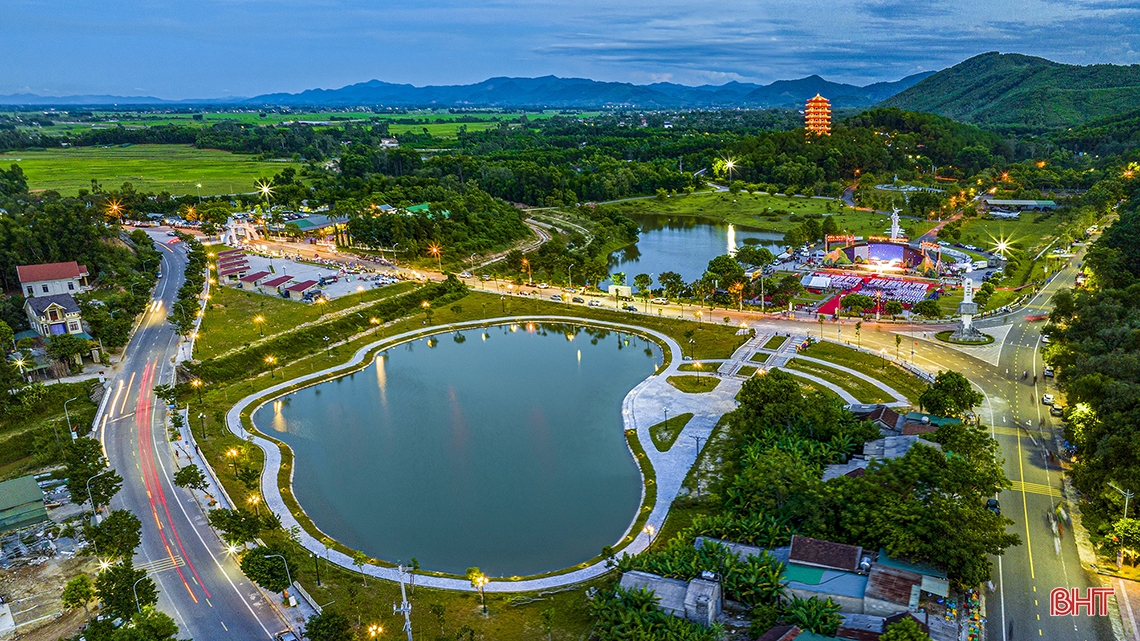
(345, 282)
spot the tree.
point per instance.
(814, 615)
(893, 307)
(270, 573)
(84, 459)
(950, 395)
(65, 347)
(78, 591)
(117, 536)
(856, 303)
(360, 559)
(148, 625)
(644, 283)
(191, 477)
(116, 588)
(725, 270)
(238, 527)
(905, 630)
(7, 338)
(672, 283)
(927, 309)
(754, 256)
(329, 625)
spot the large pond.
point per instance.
(501, 448)
(683, 244)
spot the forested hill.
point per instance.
(1013, 89)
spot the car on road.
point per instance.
(1056, 410)
(1045, 339)
(595, 303)
(1036, 317)
(630, 308)
(993, 506)
(486, 277)
(578, 299)
(659, 301)
(1046, 399)
(465, 274)
(556, 297)
(285, 635)
(542, 286)
(171, 233)
(1047, 372)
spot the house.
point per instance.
(825, 554)
(297, 291)
(918, 423)
(233, 274)
(893, 447)
(698, 600)
(781, 633)
(21, 504)
(277, 282)
(54, 314)
(886, 419)
(251, 281)
(389, 143)
(52, 278)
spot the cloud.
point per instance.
(114, 46)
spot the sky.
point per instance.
(218, 48)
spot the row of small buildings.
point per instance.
(234, 269)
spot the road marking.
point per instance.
(130, 384)
(1128, 608)
(224, 626)
(1035, 488)
(161, 565)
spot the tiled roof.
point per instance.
(825, 554)
(50, 271)
(234, 270)
(254, 277)
(892, 585)
(780, 633)
(301, 286)
(275, 282)
(39, 304)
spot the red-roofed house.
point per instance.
(297, 292)
(825, 554)
(232, 274)
(253, 280)
(52, 278)
(276, 282)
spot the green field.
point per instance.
(759, 211)
(665, 433)
(875, 367)
(176, 169)
(864, 391)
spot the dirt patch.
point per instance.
(33, 594)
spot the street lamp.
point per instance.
(320, 301)
(480, 581)
(360, 290)
(270, 361)
(258, 320)
(375, 630)
(255, 501)
(287, 573)
(89, 497)
(529, 277)
(570, 275)
(1126, 494)
(197, 384)
(134, 589)
(199, 185)
(68, 416)
(232, 453)
(434, 250)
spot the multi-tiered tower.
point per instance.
(817, 116)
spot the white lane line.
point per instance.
(1128, 608)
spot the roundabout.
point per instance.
(946, 336)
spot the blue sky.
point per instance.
(216, 48)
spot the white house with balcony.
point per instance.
(50, 279)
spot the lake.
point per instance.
(501, 448)
(683, 244)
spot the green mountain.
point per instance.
(996, 89)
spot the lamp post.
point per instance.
(697, 465)
(255, 501)
(258, 320)
(134, 589)
(435, 251)
(89, 497)
(529, 278)
(360, 290)
(287, 573)
(481, 581)
(68, 416)
(270, 361)
(197, 384)
(202, 418)
(199, 186)
(1126, 494)
(232, 454)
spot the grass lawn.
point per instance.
(172, 168)
(775, 342)
(229, 323)
(808, 386)
(878, 368)
(26, 431)
(665, 433)
(862, 390)
(694, 384)
(757, 211)
(698, 367)
(746, 370)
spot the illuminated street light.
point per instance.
(434, 250)
(258, 320)
(197, 384)
(233, 454)
(255, 501)
(375, 631)
(271, 361)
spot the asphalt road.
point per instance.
(201, 585)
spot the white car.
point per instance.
(1046, 399)
(542, 285)
(595, 303)
(1045, 339)
(556, 297)
(465, 274)
(659, 301)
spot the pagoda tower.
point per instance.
(817, 116)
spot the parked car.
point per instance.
(465, 274)
(1056, 410)
(1047, 372)
(1046, 399)
(578, 299)
(630, 308)
(595, 303)
(1045, 339)
(993, 506)
(659, 301)
(486, 277)
(542, 285)
(556, 297)
(285, 635)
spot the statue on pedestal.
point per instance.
(967, 308)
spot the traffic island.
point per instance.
(978, 338)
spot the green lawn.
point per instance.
(694, 384)
(173, 168)
(230, 324)
(665, 433)
(26, 432)
(878, 368)
(698, 367)
(863, 391)
(775, 342)
(757, 211)
(746, 370)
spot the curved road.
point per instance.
(200, 585)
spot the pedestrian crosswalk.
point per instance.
(161, 565)
(1036, 488)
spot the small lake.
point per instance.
(683, 244)
(501, 448)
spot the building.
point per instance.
(52, 278)
(54, 314)
(817, 116)
(253, 281)
(1020, 205)
(389, 143)
(299, 291)
(698, 600)
(21, 504)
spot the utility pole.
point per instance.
(697, 464)
(404, 608)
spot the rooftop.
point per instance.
(825, 554)
(276, 282)
(50, 271)
(40, 304)
(301, 286)
(21, 503)
(825, 581)
(254, 277)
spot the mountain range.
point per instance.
(1014, 89)
(547, 91)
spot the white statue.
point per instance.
(896, 230)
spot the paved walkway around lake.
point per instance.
(644, 406)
